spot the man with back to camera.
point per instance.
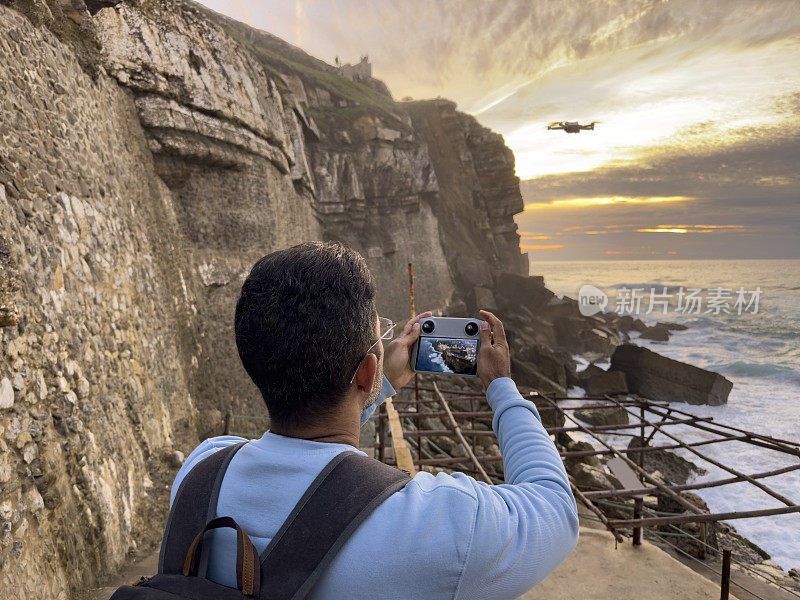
(309, 336)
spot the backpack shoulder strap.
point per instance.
(345, 493)
(195, 505)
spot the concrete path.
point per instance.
(596, 570)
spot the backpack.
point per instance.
(345, 493)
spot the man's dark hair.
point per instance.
(304, 320)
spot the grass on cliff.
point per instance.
(368, 101)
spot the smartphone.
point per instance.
(447, 345)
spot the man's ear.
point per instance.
(365, 376)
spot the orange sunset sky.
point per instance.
(697, 148)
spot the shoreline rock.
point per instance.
(663, 379)
(602, 413)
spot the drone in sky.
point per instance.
(571, 126)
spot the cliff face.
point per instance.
(92, 345)
(150, 152)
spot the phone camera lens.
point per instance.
(428, 326)
(471, 328)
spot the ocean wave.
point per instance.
(741, 368)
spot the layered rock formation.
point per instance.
(150, 152)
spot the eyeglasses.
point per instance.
(386, 328)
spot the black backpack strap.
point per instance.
(195, 505)
(345, 493)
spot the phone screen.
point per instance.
(448, 355)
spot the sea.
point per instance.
(743, 319)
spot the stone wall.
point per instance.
(93, 348)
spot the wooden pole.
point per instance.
(703, 535)
(401, 451)
(751, 437)
(454, 424)
(382, 433)
(679, 499)
(716, 463)
(416, 379)
(638, 503)
(706, 517)
(642, 443)
(603, 519)
(689, 486)
(576, 453)
(228, 421)
(725, 584)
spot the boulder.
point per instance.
(602, 413)
(512, 289)
(537, 279)
(588, 477)
(657, 333)
(526, 374)
(624, 323)
(550, 416)
(551, 364)
(606, 382)
(562, 307)
(741, 548)
(572, 376)
(668, 505)
(590, 370)
(578, 446)
(666, 380)
(672, 326)
(175, 459)
(484, 299)
(675, 469)
(576, 334)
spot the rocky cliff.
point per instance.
(150, 152)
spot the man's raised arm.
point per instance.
(527, 526)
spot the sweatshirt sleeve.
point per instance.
(527, 526)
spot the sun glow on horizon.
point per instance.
(583, 202)
(533, 247)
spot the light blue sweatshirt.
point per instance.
(443, 536)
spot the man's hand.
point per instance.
(494, 359)
(397, 359)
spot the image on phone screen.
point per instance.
(448, 355)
